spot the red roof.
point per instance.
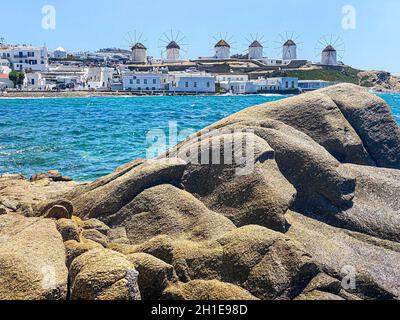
(3, 76)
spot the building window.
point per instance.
(154, 81)
(130, 81)
(287, 84)
(186, 84)
(138, 81)
(195, 85)
(145, 81)
(208, 85)
(292, 84)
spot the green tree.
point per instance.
(17, 77)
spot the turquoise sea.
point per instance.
(87, 138)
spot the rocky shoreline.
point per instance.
(316, 217)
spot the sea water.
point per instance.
(86, 138)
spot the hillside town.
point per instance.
(35, 68)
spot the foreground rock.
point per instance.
(18, 195)
(32, 260)
(340, 253)
(107, 196)
(169, 211)
(248, 189)
(206, 290)
(103, 275)
(373, 121)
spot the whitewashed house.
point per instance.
(4, 66)
(282, 84)
(99, 78)
(231, 77)
(60, 53)
(144, 81)
(269, 85)
(5, 82)
(191, 82)
(311, 85)
(34, 81)
(24, 57)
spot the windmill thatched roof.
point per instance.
(329, 48)
(173, 45)
(222, 43)
(290, 43)
(256, 44)
(139, 46)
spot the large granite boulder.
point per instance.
(236, 175)
(108, 195)
(266, 263)
(19, 195)
(169, 211)
(32, 259)
(373, 121)
(340, 253)
(154, 275)
(376, 207)
(103, 274)
(314, 172)
(316, 115)
(206, 290)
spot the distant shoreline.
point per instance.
(93, 94)
(81, 94)
(88, 94)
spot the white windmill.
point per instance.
(222, 48)
(289, 47)
(138, 49)
(256, 47)
(330, 48)
(173, 44)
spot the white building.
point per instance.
(4, 66)
(222, 50)
(144, 81)
(23, 57)
(311, 85)
(99, 78)
(256, 51)
(34, 81)
(289, 51)
(219, 78)
(269, 85)
(283, 83)
(191, 82)
(5, 82)
(60, 53)
(329, 56)
(139, 53)
(173, 51)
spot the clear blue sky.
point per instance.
(90, 25)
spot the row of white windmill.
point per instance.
(329, 48)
